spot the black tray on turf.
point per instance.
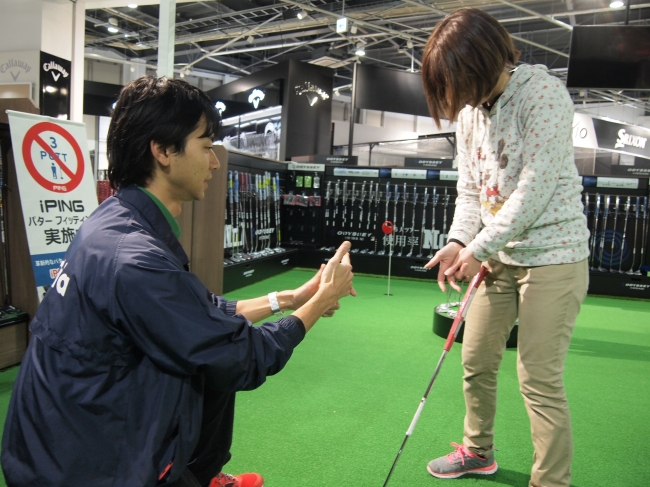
(443, 318)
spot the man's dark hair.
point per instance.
(159, 109)
(462, 61)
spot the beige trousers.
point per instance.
(547, 300)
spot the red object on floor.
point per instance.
(243, 480)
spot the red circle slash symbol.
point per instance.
(32, 136)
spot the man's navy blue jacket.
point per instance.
(111, 387)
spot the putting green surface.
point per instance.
(337, 414)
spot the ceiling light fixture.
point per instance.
(250, 39)
(132, 5)
(360, 51)
(409, 44)
(617, 4)
(302, 14)
(353, 29)
(112, 28)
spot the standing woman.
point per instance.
(518, 212)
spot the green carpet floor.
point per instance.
(337, 414)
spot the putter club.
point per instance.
(382, 252)
(362, 197)
(434, 203)
(353, 197)
(404, 198)
(644, 233)
(412, 229)
(636, 230)
(453, 333)
(602, 234)
(623, 242)
(611, 245)
(424, 219)
(594, 231)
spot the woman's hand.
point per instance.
(464, 268)
(446, 257)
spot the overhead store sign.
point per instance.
(301, 166)
(596, 133)
(57, 190)
(430, 163)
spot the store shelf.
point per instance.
(258, 268)
(623, 285)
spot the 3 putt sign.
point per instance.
(53, 157)
(57, 190)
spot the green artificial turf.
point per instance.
(337, 414)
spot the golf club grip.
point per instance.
(464, 305)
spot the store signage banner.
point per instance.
(619, 137)
(356, 173)
(56, 185)
(634, 171)
(345, 160)
(20, 67)
(584, 134)
(617, 183)
(301, 166)
(55, 83)
(449, 175)
(429, 163)
(409, 173)
(595, 133)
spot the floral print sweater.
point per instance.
(519, 193)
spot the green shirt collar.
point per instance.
(170, 218)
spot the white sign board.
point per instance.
(408, 173)
(619, 183)
(57, 189)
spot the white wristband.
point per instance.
(275, 306)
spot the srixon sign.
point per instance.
(623, 138)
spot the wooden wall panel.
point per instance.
(208, 220)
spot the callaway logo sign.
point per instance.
(52, 66)
(14, 66)
(256, 97)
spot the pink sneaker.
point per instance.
(461, 461)
(243, 480)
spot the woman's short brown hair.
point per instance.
(462, 61)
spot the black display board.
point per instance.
(609, 57)
(390, 90)
(306, 125)
(55, 83)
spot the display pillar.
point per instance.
(33, 30)
(166, 39)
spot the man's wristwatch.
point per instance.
(275, 306)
